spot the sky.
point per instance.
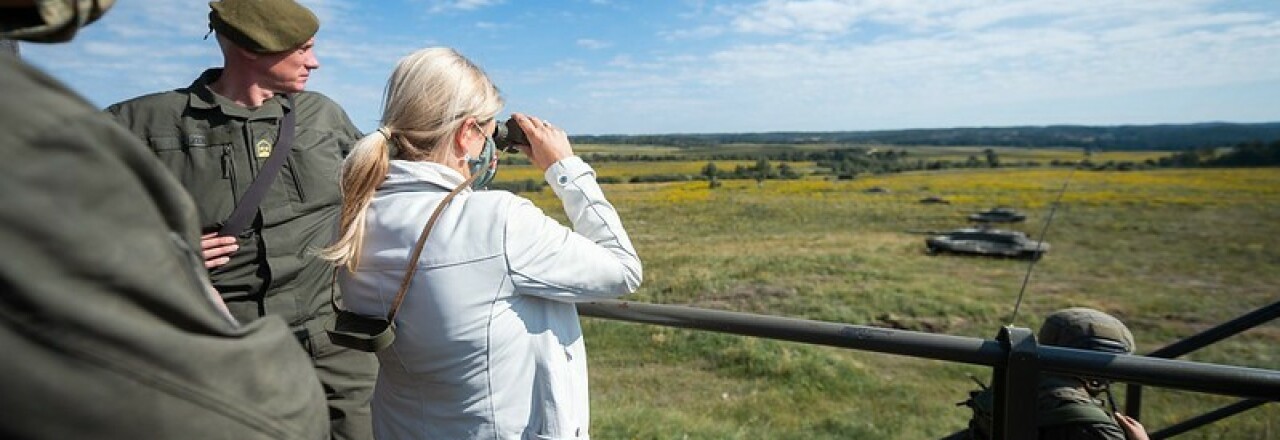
(710, 66)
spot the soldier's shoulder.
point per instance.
(39, 111)
(167, 100)
(34, 99)
(316, 99)
(324, 113)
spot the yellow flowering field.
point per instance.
(1028, 188)
(1170, 251)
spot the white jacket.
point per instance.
(488, 344)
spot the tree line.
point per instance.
(1165, 137)
(848, 163)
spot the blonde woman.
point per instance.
(488, 343)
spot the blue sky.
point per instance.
(688, 66)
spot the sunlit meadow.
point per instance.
(1170, 251)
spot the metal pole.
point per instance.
(916, 344)
(1176, 374)
(1207, 418)
(1262, 315)
(1015, 412)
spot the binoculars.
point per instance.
(507, 135)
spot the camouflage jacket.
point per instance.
(215, 148)
(1064, 411)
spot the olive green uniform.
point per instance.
(1086, 418)
(215, 148)
(107, 322)
(1064, 411)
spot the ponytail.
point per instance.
(362, 173)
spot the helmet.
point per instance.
(1087, 329)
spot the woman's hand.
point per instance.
(548, 143)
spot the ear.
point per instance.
(463, 136)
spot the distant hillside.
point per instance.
(1124, 137)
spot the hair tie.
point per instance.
(386, 132)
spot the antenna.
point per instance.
(1043, 232)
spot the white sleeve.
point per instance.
(594, 260)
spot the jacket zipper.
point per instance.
(229, 172)
(293, 173)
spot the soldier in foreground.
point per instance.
(1069, 408)
(110, 327)
(219, 136)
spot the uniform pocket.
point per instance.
(315, 164)
(207, 171)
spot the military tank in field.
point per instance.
(986, 241)
(1000, 214)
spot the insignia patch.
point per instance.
(263, 148)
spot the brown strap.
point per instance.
(417, 249)
(413, 260)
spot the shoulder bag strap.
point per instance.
(413, 258)
(248, 207)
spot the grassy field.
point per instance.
(1171, 252)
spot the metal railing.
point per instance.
(1017, 360)
(1133, 394)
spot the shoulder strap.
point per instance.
(244, 212)
(413, 258)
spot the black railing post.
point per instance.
(1207, 418)
(1254, 383)
(1262, 315)
(1015, 382)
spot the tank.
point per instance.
(998, 215)
(986, 241)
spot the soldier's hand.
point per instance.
(1132, 429)
(217, 250)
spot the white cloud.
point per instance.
(438, 6)
(762, 65)
(697, 33)
(591, 44)
(810, 61)
(776, 17)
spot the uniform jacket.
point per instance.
(488, 344)
(107, 321)
(214, 146)
(1056, 393)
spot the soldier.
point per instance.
(1069, 408)
(109, 325)
(219, 135)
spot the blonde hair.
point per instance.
(428, 97)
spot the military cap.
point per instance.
(263, 26)
(50, 21)
(1085, 328)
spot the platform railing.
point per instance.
(1133, 394)
(1017, 360)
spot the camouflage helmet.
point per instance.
(1088, 329)
(50, 21)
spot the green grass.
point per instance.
(1171, 252)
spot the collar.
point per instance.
(406, 175)
(200, 96)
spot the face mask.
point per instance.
(481, 164)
